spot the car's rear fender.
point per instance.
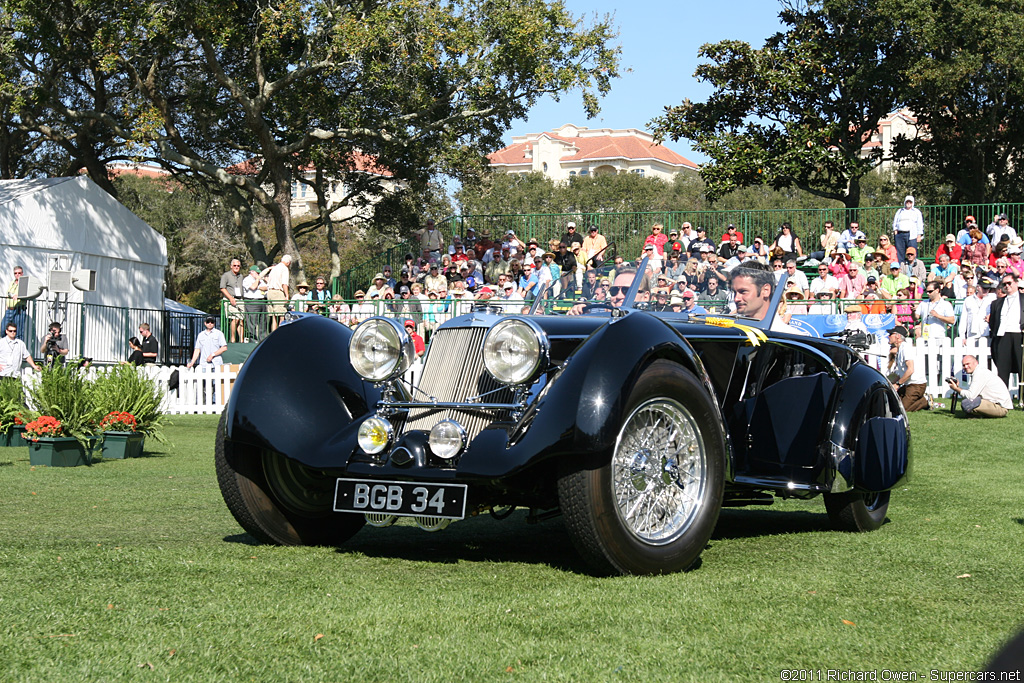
(870, 439)
(298, 395)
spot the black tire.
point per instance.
(596, 502)
(278, 500)
(854, 511)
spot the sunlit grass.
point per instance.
(135, 570)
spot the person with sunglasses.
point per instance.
(13, 352)
(907, 228)
(616, 293)
(1006, 328)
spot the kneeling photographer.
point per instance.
(55, 345)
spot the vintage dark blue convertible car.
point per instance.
(637, 426)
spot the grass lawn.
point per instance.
(135, 570)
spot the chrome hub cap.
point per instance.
(659, 471)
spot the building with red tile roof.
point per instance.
(897, 123)
(572, 151)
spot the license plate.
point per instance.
(400, 498)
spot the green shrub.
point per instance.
(64, 392)
(124, 388)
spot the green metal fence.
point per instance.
(628, 230)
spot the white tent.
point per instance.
(59, 223)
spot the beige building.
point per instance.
(572, 151)
(304, 198)
(901, 122)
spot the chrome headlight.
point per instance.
(374, 435)
(447, 439)
(514, 350)
(381, 350)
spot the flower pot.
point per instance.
(58, 451)
(11, 437)
(120, 445)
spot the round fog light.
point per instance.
(447, 439)
(374, 435)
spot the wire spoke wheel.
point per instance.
(659, 471)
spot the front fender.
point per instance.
(298, 395)
(600, 376)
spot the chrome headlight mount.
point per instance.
(515, 351)
(381, 350)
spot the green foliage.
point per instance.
(65, 392)
(126, 388)
(967, 91)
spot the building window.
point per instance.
(545, 165)
(572, 174)
(584, 172)
(638, 171)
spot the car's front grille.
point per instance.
(454, 372)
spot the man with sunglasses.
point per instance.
(13, 353)
(1006, 324)
(616, 293)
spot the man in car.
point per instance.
(752, 287)
(617, 291)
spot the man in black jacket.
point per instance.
(1006, 318)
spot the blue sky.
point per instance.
(659, 40)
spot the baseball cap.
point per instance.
(951, 238)
(409, 322)
(898, 329)
(970, 219)
(689, 294)
(571, 224)
(731, 226)
(403, 290)
(893, 265)
(254, 269)
(872, 279)
(593, 228)
(486, 290)
(211, 319)
(911, 250)
(706, 248)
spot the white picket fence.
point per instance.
(202, 391)
(941, 358)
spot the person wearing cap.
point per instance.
(871, 266)
(758, 250)
(673, 245)
(1000, 227)
(935, 315)
(571, 236)
(887, 251)
(431, 242)
(950, 248)
(823, 304)
(700, 241)
(860, 249)
(793, 302)
(254, 294)
(594, 245)
(1006, 324)
(1013, 254)
(731, 232)
(417, 340)
(210, 346)
(907, 227)
(690, 306)
(434, 279)
(913, 266)
(660, 301)
(893, 281)
(987, 396)
(905, 373)
(963, 236)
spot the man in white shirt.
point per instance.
(210, 345)
(987, 396)
(13, 352)
(825, 282)
(798, 277)
(935, 316)
(1006, 316)
(905, 373)
(1000, 229)
(277, 290)
(907, 227)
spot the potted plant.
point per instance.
(121, 438)
(126, 390)
(64, 395)
(13, 411)
(49, 445)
